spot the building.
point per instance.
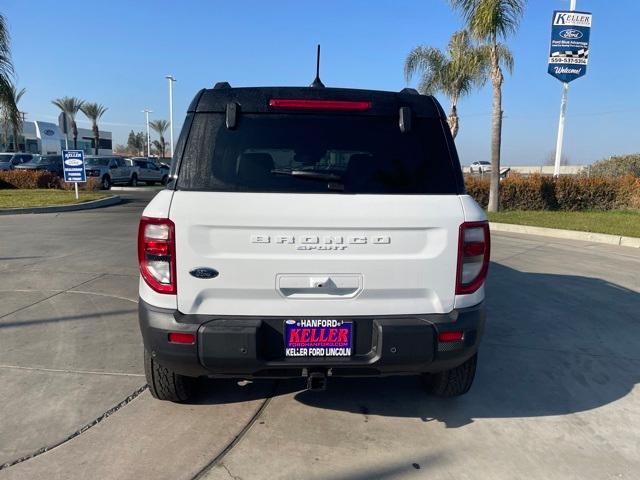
(46, 138)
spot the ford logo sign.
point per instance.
(73, 162)
(203, 272)
(571, 34)
(49, 132)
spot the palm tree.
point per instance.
(70, 106)
(10, 115)
(8, 109)
(6, 67)
(487, 21)
(159, 147)
(454, 73)
(93, 111)
(13, 118)
(160, 127)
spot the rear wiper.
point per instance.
(306, 174)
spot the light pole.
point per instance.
(146, 112)
(171, 79)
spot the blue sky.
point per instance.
(117, 53)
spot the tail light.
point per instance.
(157, 254)
(473, 256)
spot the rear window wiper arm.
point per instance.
(306, 174)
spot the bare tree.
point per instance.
(550, 160)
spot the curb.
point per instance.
(152, 188)
(103, 202)
(617, 240)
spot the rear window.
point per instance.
(97, 161)
(316, 154)
(53, 159)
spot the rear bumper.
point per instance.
(253, 346)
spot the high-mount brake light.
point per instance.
(336, 105)
(157, 254)
(474, 245)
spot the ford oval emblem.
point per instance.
(49, 132)
(571, 34)
(204, 272)
(73, 162)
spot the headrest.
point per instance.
(252, 165)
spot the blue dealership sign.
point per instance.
(73, 164)
(569, 53)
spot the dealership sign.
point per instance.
(73, 164)
(569, 52)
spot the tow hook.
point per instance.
(317, 380)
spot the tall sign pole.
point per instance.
(568, 58)
(171, 79)
(146, 112)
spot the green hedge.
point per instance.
(537, 192)
(30, 179)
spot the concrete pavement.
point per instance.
(556, 394)
(69, 349)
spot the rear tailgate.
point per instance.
(316, 254)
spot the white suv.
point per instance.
(312, 232)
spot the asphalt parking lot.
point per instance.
(556, 394)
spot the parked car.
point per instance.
(50, 163)
(480, 167)
(146, 171)
(8, 161)
(351, 253)
(110, 170)
(165, 167)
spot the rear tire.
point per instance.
(454, 382)
(105, 184)
(165, 384)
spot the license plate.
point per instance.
(318, 338)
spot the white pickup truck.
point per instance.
(312, 232)
(111, 170)
(147, 171)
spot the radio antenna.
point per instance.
(317, 83)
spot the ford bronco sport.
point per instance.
(312, 232)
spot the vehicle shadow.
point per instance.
(554, 345)
(225, 391)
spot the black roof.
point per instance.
(256, 99)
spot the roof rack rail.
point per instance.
(410, 91)
(220, 85)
